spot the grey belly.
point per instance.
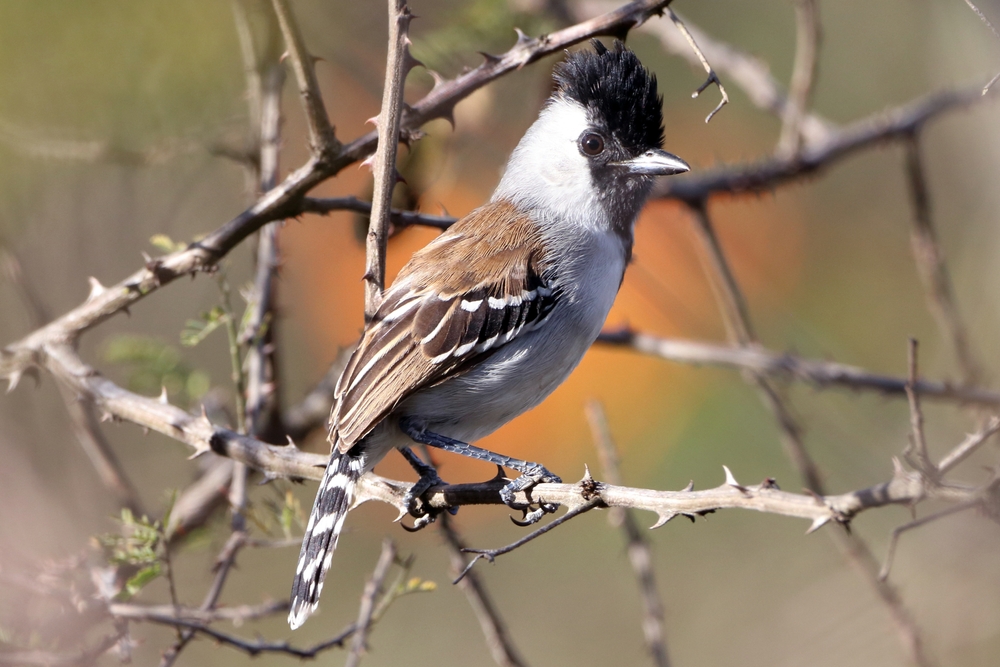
(513, 380)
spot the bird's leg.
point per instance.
(428, 480)
(531, 473)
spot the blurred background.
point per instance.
(112, 116)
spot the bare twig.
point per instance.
(498, 639)
(261, 646)
(166, 613)
(639, 553)
(322, 139)
(931, 265)
(765, 175)
(982, 17)
(918, 442)
(971, 443)
(490, 554)
(397, 217)
(712, 76)
(808, 33)
(822, 374)
(398, 64)
(736, 316)
(916, 523)
(372, 589)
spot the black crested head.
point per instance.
(617, 90)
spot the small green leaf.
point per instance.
(196, 331)
(141, 578)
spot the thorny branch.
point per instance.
(399, 62)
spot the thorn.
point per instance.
(284, 57)
(368, 162)
(373, 120)
(499, 477)
(199, 449)
(897, 467)
(145, 430)
(163, 395)
(400, 179)
(204, 415)
(409, 62)
(731, 480)
(817, 524)
(291, 443)
(438, 79)
(689, 487)
(522, 39)
(268, 478)
(96, 288)
(107, 417)
(664, 518)
(587, 477)
(13, 379)
(490, 58)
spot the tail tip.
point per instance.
(299, 613)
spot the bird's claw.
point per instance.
(536, 475)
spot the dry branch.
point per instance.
(398, 65)
(894, 124)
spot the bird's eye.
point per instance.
(592, 144)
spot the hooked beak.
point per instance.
(656, 163)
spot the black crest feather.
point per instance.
(615, 87)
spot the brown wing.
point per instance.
(469, 292)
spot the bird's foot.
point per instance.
(423, 514)
(530, 476)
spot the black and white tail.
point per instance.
(333, 499)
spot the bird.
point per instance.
(492, 315)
